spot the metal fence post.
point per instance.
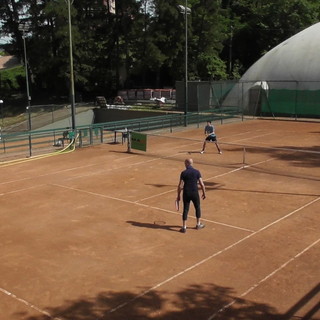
(129, 141)
(91, 136)
(80, 138)
(29, 125)
(101, 134)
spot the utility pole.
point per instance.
(186, 65)
(185, 10)
(23, 27)
(72, 93)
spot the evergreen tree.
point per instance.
(143, 43)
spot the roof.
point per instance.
(295, 59)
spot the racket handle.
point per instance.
(177, 205)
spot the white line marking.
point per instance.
(263, 280)
(51, 173)
(28, 304)
(126, 159)
(207, 220)
(21, 190)
(211, 256)
(250, 138)
(187, 269)
(140, 204)
(99, 164)
(146, 206)
(213, 177)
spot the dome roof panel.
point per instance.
(295, 59)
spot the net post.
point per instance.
(244, 157)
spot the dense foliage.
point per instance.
(143, 44)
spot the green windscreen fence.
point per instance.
(202, 95)
(256, 98)
(291, 102)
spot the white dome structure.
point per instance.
(296, 59)
(292, 66)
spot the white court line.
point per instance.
(125, 159)
(172, 190)
(167, 280)
(250, 138)
(207, 220)
(182, 272)
(146, 206)
(155, 158)
(263, 280)
(207, 179)
(50, 173)
(211, 256)
(96, 164)
(213, 177)
(23, 189)
(111, 169)
(28, 304)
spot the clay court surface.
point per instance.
(94, 234)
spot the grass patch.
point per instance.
(11, 79)
(9, 121)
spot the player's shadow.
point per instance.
(218, 186)
(190, 151)
(158, 185)
(155, 225)
(213, 185)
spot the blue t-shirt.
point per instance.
(190, 177)
(209, 129)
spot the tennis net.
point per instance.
(297, 162)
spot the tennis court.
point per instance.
(93, 234)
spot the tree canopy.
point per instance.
(142, 44)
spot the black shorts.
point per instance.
(195, 199)
(211, 137)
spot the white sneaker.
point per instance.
(220, 152)
(202, 151)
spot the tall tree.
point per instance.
(143, 43)
(260, 25)
(209, 31)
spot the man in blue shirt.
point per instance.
(210, 136)
(189, 180)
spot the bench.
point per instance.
(66, 136)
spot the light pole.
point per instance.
(72, 94)
(185, 10)
(23, 27)
(186, 64)
(1, 104)
(230, 50)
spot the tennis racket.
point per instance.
(177, 205)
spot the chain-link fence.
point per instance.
(257, 98)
